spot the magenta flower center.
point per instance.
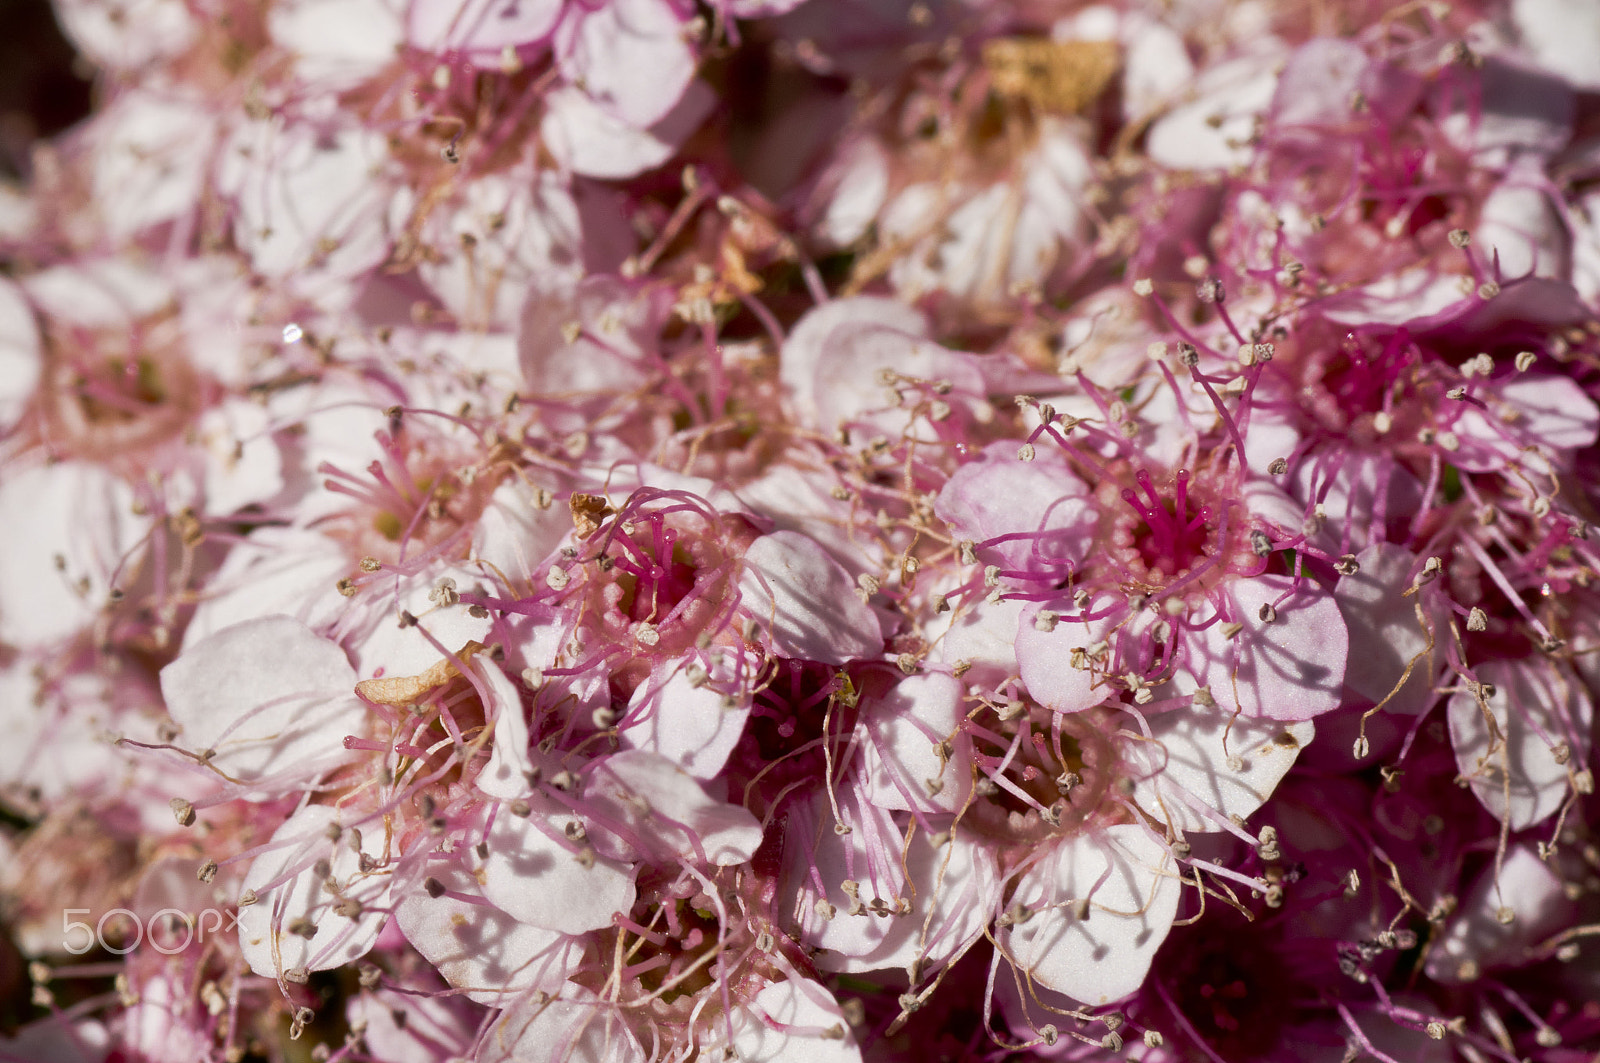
(1172, 531)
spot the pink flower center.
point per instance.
(1172, 533)
(1042, 774)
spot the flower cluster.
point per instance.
(804, 532)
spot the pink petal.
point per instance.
(999, 495)
(1288, 668)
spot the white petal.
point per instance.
(149, 158)
(984, 634)
(1519, 228)
(103, 292)
(630, 56)
(848, 387)
(811, 335)
(898, 756)
(588, 140)
(267, 695)
(266, 935)
(337, 43)
(295, 189)
(1540, 411)
(390, 650)
(1105, 956)
(672, 815)
(74, 511)
(540, 882)
(860, 181)
(806, 601)
(1044, 660)
(794, 1021)
(1214, 132)
(577, 1027)
(1289, 668)
(1513, 108)
(1561, 35)
(274, 570)
(1213, 759)
(958, 884)
(125, 36)
(1385, 634)
(508, 771)
(242, 462)
(481, 28)
(1476, 940)
(514, 534)
(1536, 705)
(686, 724)
(19, 353)
(411, 1028)
(478, 947)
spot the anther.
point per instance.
(1347, 565)
(1260, 545)
(1267, 613)
(1278, 466)
(1268, 848)
(182, 811)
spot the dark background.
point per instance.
(44, 86)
